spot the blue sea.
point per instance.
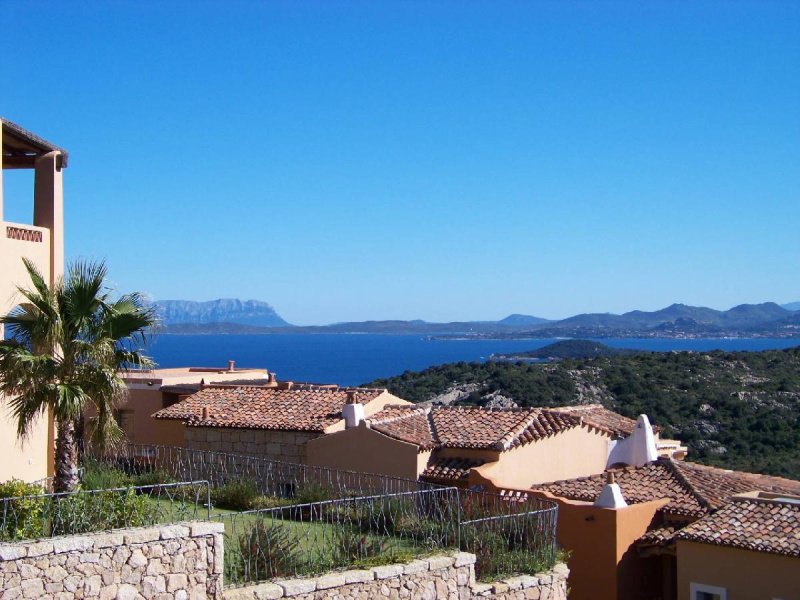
(352, 359)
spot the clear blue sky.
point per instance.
(435, 160)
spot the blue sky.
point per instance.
(435, 160)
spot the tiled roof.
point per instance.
(763, 526)
(595, 415)
(470, 427)
(264, 408)
(693, 490)
(450, 469)
(659, 536)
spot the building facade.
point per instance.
(41, 241)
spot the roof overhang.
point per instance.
(21, 148)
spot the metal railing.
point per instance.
(508, 537)
(85, 511)
(314, 538)
(271, 477)
(285, 519)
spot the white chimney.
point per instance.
(636, 450)
(611, 495)
(352, 411)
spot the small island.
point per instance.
(562, 349)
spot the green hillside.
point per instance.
(740, 410)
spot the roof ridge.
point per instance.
(685, 483)
(504, 443)
(410, 412)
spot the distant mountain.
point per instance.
(516, 320)
(225, 310)
(791, 306)
(742, 316)
(676, 320)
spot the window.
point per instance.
(125, 421)
(700, 591)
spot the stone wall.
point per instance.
(286, 446)
(445, 577)
(182, 561)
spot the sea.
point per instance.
(353, 359)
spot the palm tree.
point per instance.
(68, 343)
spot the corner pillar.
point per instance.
(48, 208)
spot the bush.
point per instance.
(100, 476)
(155, 477)
(357, 549)
(22, 518)
(264, 552)
(236, 494)
(311, 492)
(83, 513)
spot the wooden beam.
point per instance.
(19, 162)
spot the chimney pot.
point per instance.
(205, 413)
(351, 396)
(230, 366)
(271, 377)
(610, 478)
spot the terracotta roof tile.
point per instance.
(763, 526)
(595, 415)
(264, 408)
(693, 490)
(659, 536)
(470, 427)
(450, 469)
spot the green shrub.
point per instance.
(236, 494)
(101, 476)
(155, 477)
(311, 492)
(264, 552)
(22, 518)
(355, 548)
(267, 502)
(83, 513)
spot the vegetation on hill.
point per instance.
(739, 410)
(567, 349)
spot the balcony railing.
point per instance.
(23, 234)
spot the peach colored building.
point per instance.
(272, 422)
(624, 536)
(154, 389)
(41, 240)
(749, 549)
(511, 447)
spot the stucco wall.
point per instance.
(445, 577)
(745, 574)
(147, 430)
(577, 452)
(172, 561)
(287, 446)
(364, 450)
(603, 564)
(26, 460)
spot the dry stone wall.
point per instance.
(445, 577)
(182, 562)
(286, 446)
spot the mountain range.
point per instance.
(676, 320)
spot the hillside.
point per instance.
(739, 410)
(566, 349)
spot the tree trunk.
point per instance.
(66, 467)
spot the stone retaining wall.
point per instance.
(286, 446)
(445, 577)
(182, 561)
